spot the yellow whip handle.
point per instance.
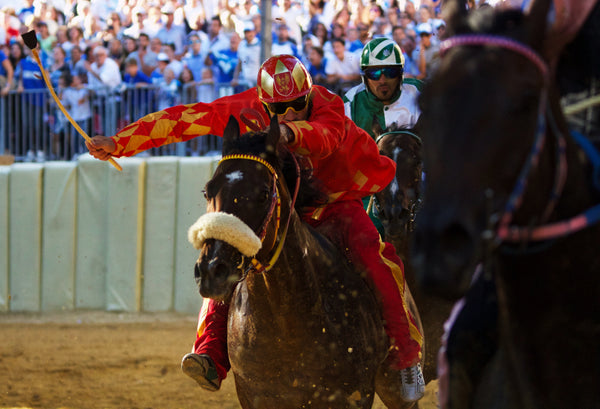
(62, 108)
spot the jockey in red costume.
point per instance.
(344, 159)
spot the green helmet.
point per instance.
(381, 52)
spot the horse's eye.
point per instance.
(205, 194)
(264, 197)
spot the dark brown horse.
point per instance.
(396, 207)
(510, 189)
(304, 329)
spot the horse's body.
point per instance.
(396, 207)
(491, 101)
(307, 331)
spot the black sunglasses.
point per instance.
(389, 72)
(281, 108)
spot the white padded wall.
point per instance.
(193, 175)
(59, 236)
(4, 260)
(81, 235)
(92, 200)
(25, 236)
(159, 233)
(124, 235)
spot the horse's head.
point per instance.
(243, 210)
(479, 120)
(396, 205)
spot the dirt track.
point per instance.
(106, 360)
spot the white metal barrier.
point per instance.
(80, 235)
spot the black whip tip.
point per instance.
(30, 39)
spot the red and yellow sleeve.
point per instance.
(184, 122)
(344, 157)
(324, 132)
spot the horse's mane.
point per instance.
(251, 143)
(255, 143)
(309, 193)
(579, 63)
(395, 127)
(490, 20)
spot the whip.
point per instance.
(30, 40)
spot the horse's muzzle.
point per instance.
(217, 270)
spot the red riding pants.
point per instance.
(349, 227)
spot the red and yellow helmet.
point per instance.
(282, 78)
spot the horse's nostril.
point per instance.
(217, 268)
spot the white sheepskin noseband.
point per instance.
(225, 227)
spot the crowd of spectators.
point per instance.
(189, 45)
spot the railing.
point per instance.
(33, 129)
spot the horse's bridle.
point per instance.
(275, 204)
(504, 230)
(415, 204)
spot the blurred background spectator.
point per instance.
(194, 50)
(194, 59)
(248, 58)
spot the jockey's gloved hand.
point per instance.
(287, 136)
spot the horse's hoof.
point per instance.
(202, 369)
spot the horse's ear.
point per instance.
(537, 21)
(454, 12)
(273, 136)
(231, 134)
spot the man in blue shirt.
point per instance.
(316, 65)
(30, 82)
(283, 44)
(225, 60)
(6, 74)
(133, 75)
(194, 59)
(137, 97)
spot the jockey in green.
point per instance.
(384, 94)
(385, 98)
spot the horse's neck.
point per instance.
(548, 291)
(552, 261)
(293, 278)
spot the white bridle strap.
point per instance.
(225, 227)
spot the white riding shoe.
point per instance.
(413, 384)
(201, 368)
